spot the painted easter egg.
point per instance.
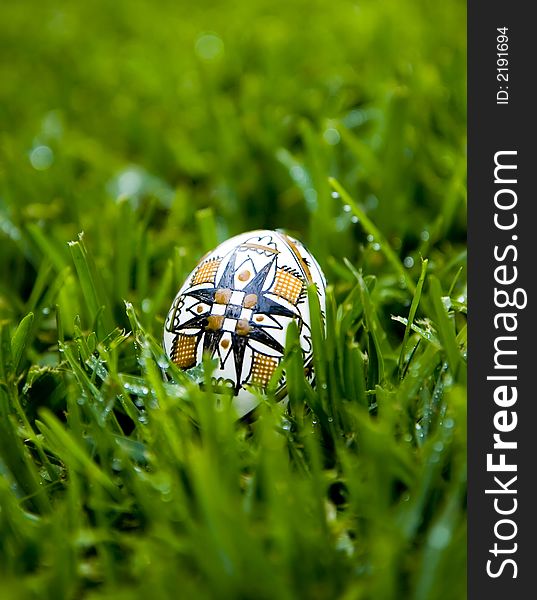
(236, 306)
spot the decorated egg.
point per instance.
(236, 306)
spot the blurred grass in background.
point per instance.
(160, 129)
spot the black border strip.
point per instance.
(494, 128)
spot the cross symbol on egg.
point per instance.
(231, 311)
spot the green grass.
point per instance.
(160, 130)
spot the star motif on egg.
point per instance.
(226, 319)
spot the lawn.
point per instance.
(134, 137)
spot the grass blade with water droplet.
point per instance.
(412, 314)
(371, 228)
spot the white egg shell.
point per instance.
(236, 306)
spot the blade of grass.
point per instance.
(20, 340)
(376, 332)
(70, 450)
(206, 222)
(20, 464)
(92, 287)
(49, 247)
(412, 314)
(446, 329)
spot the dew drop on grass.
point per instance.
(376, 246)
(41, 158)
(104, 415)
(334, 195)
(311, 197)
(355, 118)
(370, 238)
(163, 362)
(139, 390)
(355, 219)
(166, 496)
(346, 207)
(298, 174)
(146, 305)
(439, 537)
(331, 136)
(449, 423)
(209, 47)
(424, 235)
(408, 262)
